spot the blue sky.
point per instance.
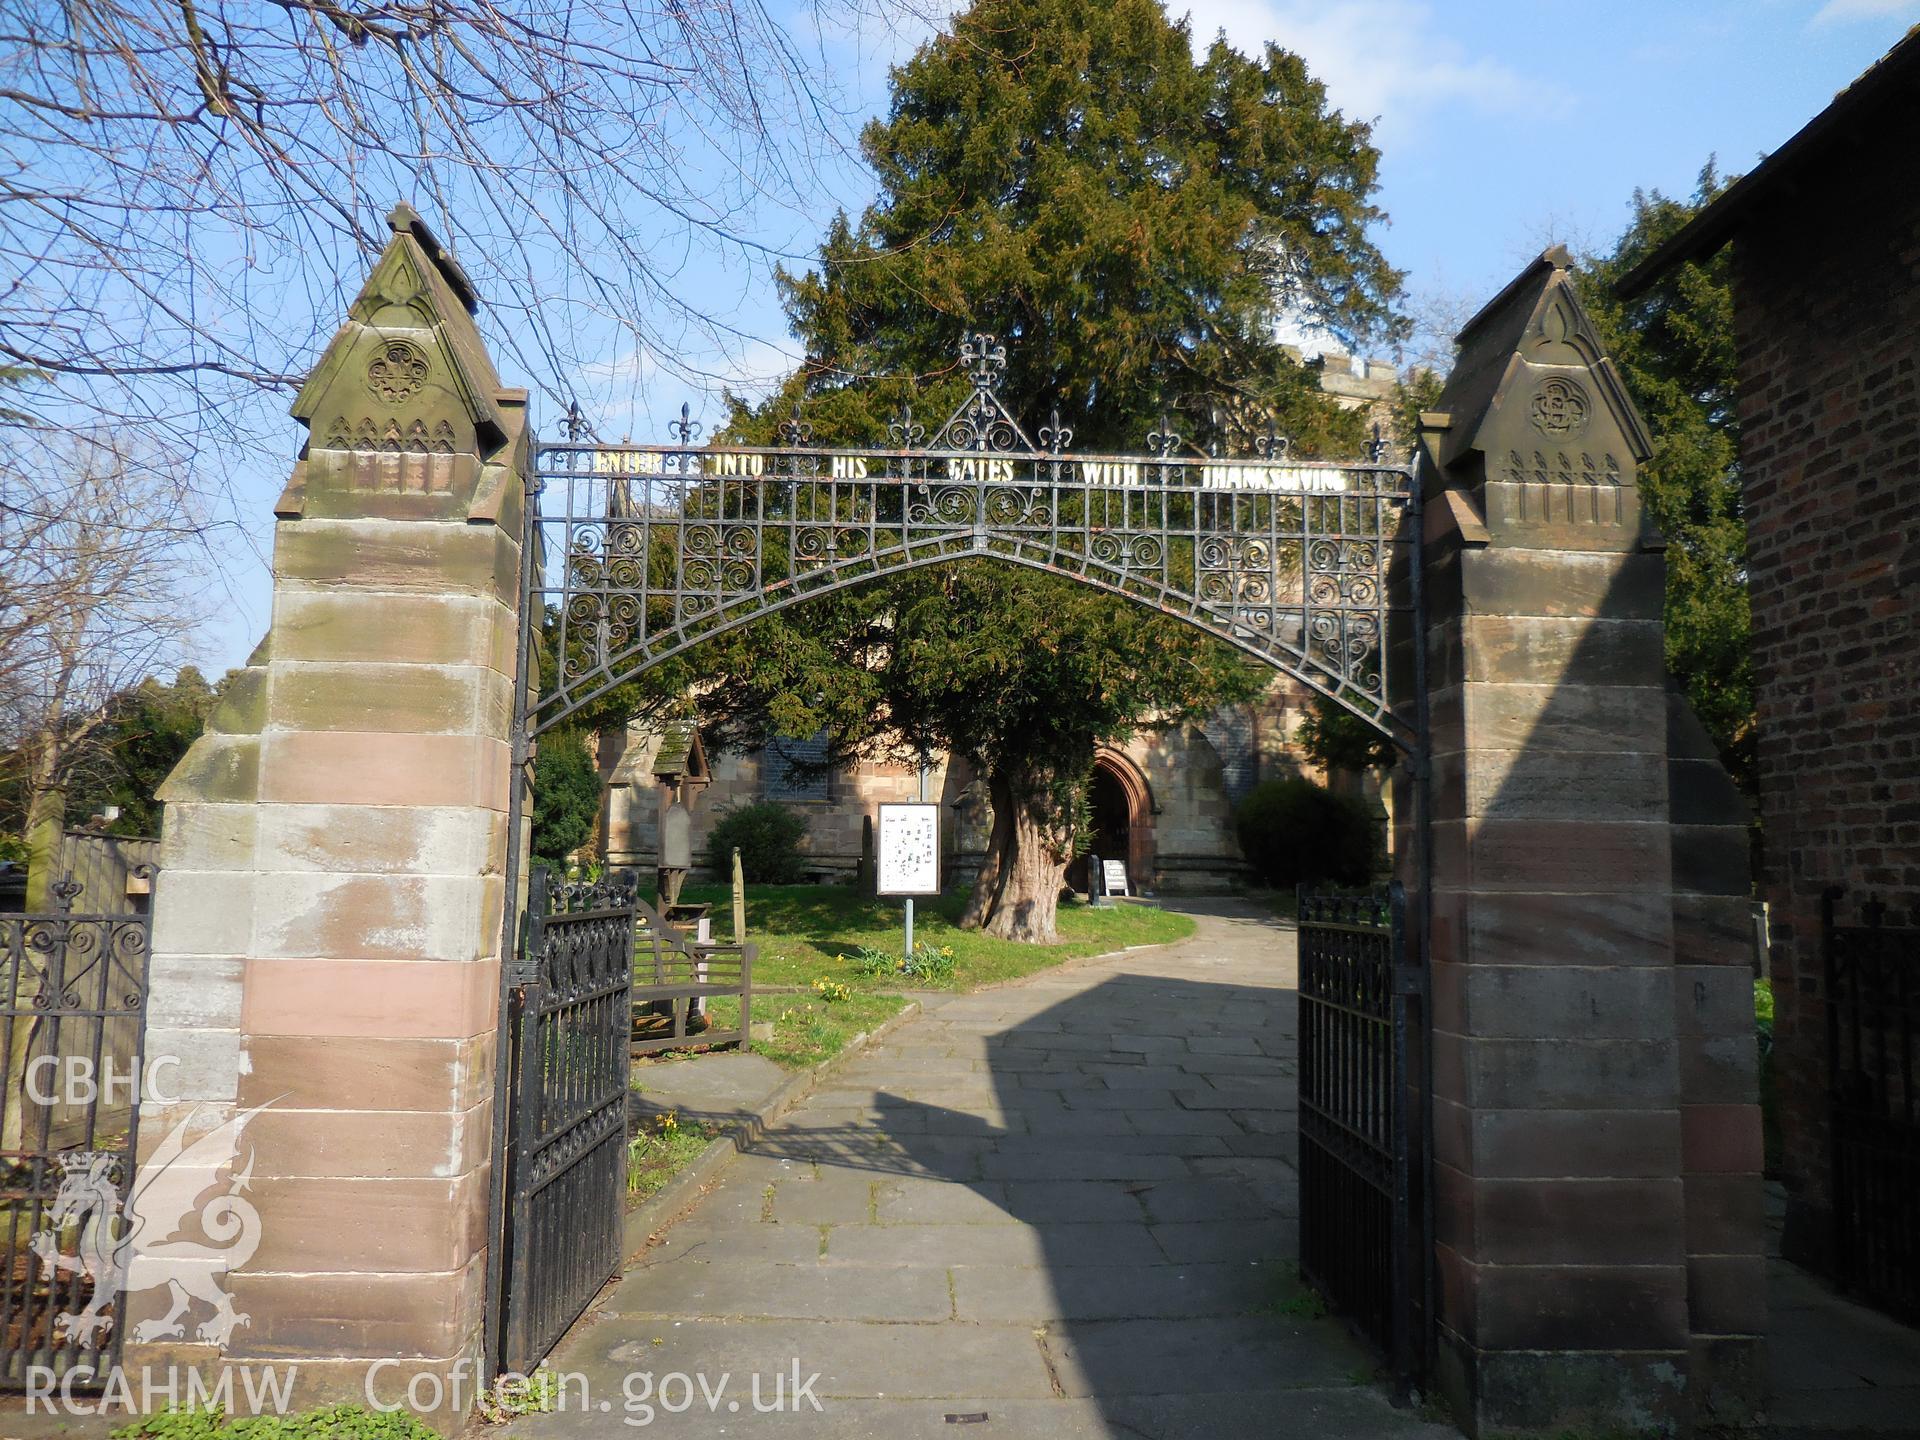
(1503, 125)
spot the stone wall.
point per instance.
(1187, 810)
(1827, 314)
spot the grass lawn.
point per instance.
(655, 1156)
(809, 932)
(810, 1028)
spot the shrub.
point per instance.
(769, 837)
(1294, 832)
(566, 796)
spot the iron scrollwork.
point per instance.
(648, 549)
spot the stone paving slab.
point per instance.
(716, 1289)
(965, 1246)
(1202, 1356)
(1053, 1292)
(1067, 1205)
(723, 1089)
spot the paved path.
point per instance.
(1067, 1206)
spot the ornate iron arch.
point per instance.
(639, 552)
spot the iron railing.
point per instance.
(1362, 1187)
(73, 1002)
(567, 1112)
(1873, 1031)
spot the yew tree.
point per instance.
(1135, 225)
(1674, 344)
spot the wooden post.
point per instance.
(739, 900)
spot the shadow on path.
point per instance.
(1067, 1206)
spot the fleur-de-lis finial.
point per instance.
(65, 892)
(1377, 447)
(1055, 436)
(905, 432)
(985, 359)
(1272, 445)
(575, 425)
(794, 431)
(685, 428)
(1164, 441)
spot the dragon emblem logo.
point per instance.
(143, 1247)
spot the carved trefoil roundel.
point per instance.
(1560, 407)
(397, 371)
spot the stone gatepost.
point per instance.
(328, 915)
(1595, 1129)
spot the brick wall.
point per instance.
(1828, 320)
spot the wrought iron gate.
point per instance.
(635, 553)
(571, 1017)
(1873, 1030)
(73, 1005)
(1362, 1173)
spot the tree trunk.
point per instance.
(46, 828)
(1036, 865)
(993, 869)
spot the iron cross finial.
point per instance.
(985, 359)
(1377, 447)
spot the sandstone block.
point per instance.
(393, 999)
(1505, 650)
(378, 917)
(357, 768)
(380, 556)
(198, 912)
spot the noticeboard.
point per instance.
(909, 850)
(1113, 878)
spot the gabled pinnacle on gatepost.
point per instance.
(404, 408)
(1543, 438)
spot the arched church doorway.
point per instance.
(1119, 821)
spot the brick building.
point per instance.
(1826, 274)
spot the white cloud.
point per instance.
(1389, 60)
(1838, 11)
